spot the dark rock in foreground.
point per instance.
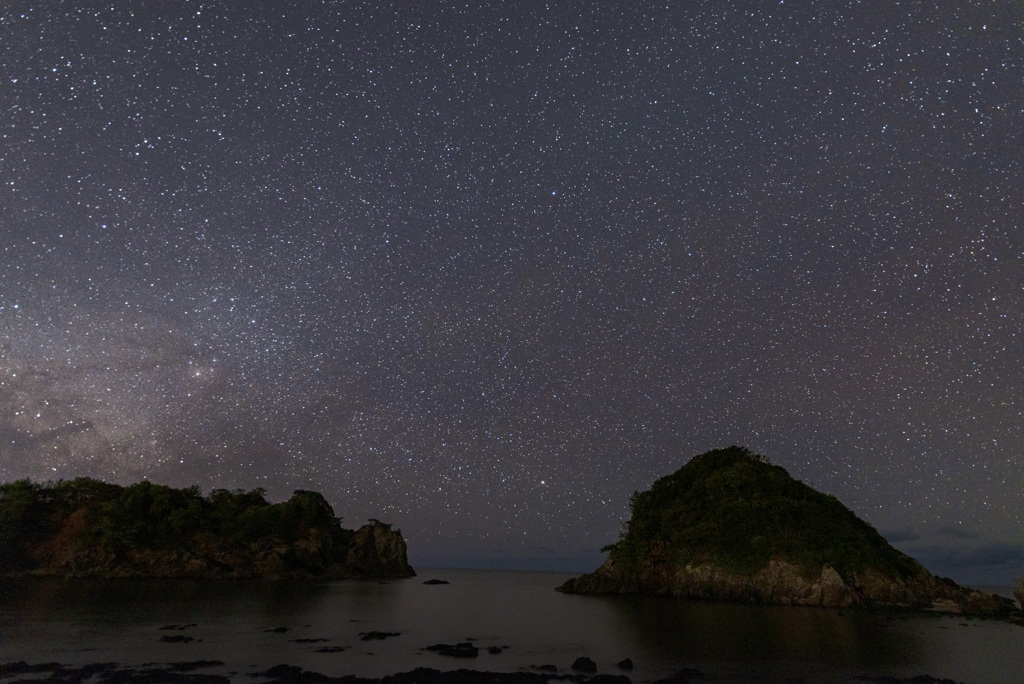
(461, 650)
(377, 636)
(88, 528)
(185, 673)
(684, 676)
(729, 525)
(585, 665)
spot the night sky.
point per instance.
(481, 270)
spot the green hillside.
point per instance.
(733, 508)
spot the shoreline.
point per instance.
(364, 632)
(191, 672)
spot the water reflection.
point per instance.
(132, 600)
(81, 621)
(702, 631)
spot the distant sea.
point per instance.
(251, 626)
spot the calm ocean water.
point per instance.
(79, 622)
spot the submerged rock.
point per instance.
(377, 636)
(728, 525)
(460, 650)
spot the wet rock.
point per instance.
(177, 639)
(625, 664)
(919, 679)
(684, 676)
(21, 667)
(189, 666)
(584, 665)
(436, 581)
(460, 650)
(609, 679)
(276, 630)
(377, 636)
(281, 671)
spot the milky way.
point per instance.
(482, 270)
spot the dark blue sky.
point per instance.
(482, 270)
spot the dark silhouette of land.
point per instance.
(730, 525)
(88, 528)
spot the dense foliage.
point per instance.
(732, 507)
(147, 516)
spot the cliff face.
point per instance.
(91, 529)
(781, 582)
(375, 551)
(730, 526)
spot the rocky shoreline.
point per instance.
(783, 583)
(191, 672)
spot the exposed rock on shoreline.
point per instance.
(729, 525)
(193, 673)
(87, 528)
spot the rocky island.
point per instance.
(89, 528)
(729, 525)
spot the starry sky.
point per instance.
(484, 269)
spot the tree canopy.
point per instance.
(734, 508)
(156, 517)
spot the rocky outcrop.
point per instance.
(783, 583)
(375, 551)
(729, 526)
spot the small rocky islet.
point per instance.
(729, 525)
(88, 528)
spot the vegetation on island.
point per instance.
(734, 508)
(85, 526)
(729, 525)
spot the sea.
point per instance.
(516, 619)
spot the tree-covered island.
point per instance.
(88, 528)
(729, 525)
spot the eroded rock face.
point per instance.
(783, 583)
(778, 582)
(376, 551)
